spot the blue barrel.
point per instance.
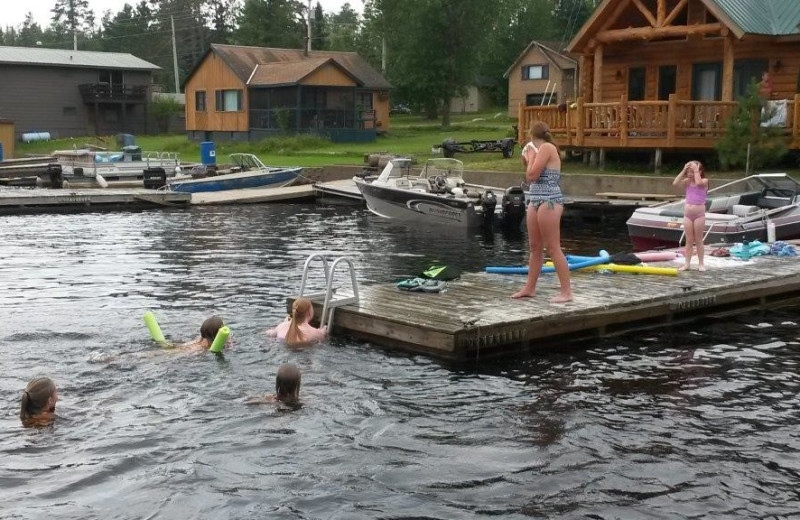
(1, 151)
(208, 153)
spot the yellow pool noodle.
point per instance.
(220, 339)
(152, 326)
(638, 269)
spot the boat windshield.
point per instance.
(448, 168)
(247, 161)
(776, 184)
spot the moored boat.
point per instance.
(761, 207)
(248, 172)
(437, 195)
(129, 164)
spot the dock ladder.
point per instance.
(328, 302)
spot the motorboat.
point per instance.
(129, 164)
(764, 207)
(248, 172)
(438, 195)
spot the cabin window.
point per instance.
(636, 83)
(535, 100)
(706, 81)
(535, 72)
(365, 100)
(200, 101)
(667, 81)
(228, 100)
(745, 71)
(112, 77)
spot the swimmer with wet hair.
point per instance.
(296, 329)
(287, 387)
(208, 331)
(38, 403)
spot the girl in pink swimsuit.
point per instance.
(694, 212)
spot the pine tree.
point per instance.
(319, 30)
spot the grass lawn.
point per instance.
(408, 135)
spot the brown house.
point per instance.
(541, 76)
(666, 73)
(243, 93)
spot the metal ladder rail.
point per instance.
(327, 316)
(327, 295)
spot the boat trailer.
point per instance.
(450, 147)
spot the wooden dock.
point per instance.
(338, 191)
(255, 195)
(476, 317)
(47, 200)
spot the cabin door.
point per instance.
(707, 82)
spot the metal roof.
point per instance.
(770, 17)
(70, 58)
(290, 72)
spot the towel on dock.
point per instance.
(421, 285)
(781, 248)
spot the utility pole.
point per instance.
(308, 30)
(175, 57)
(383, 56)
(74, 37)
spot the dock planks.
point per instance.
(476, 317)
(255, 195)
(47, 200)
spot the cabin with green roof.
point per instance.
(665, 74)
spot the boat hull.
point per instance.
(657, 231)
(237, 181)
(419, 207)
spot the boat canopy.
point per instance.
(448, 168)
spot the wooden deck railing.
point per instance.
(644, 124)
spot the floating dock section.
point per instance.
(475, 317)
(46, 200)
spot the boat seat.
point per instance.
(773, 202)
(402, 183)
(743, 210)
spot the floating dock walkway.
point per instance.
(47, 200)
(476, 317)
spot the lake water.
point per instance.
(700, 422)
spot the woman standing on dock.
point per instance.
(694, 210)
(545, 207)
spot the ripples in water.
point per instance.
(686, 423)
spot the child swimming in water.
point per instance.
(287, 387)
(208, 331)
(38, 403)
(296, 329)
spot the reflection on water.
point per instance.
(697, 422)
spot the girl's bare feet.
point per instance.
(684, 267)
(524, 293)
(561, 298)
(701, 268)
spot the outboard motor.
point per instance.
(155, 178)
(55, 175)
(513, 207)
(488, 204)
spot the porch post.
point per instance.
(623, 123)
(672, 118)
(579, 122)
(597, 85)
(727, 68)
(796, 121)
(297, 112)
(520, 124)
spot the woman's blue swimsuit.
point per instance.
(546, 190)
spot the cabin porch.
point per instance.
(675, 124)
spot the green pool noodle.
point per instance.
(220, 339)
(152, 326)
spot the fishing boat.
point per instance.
(85, 166)
(248, 172)
(764, 207)
(438, 195)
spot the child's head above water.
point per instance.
(210, 327)
(40, 396)
(287, 383)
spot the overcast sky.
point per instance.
(12, 12)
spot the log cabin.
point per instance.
(247, 93)
(541, 75)
(666, 74)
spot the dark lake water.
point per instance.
(700, 422)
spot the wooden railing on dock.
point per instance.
(676, 124)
